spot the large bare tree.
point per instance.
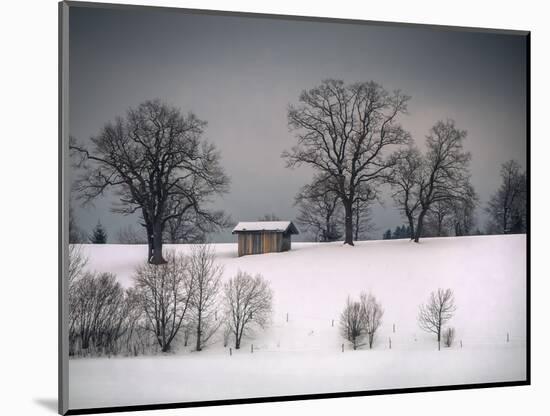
(157, 163)
(445, 175)
(507, 208)
(440, 177)
(164, 293)
(343, 132)
(437, 312)
(248, 302)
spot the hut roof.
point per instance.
(274, 226)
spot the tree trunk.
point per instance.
(149, 246)
(348, 207)
(411, 226)
(419, 226)
(199, 323)
(156, 257)
(356, 213)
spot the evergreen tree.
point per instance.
(99, 235)
(387, 235)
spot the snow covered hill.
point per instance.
(302, 356)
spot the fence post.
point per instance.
(287, 316)
(390, 342)
(230, 351)
(342, 347)
(507, 337)
(394, 328)
(251, 348)
(460, 343)
(332, 322)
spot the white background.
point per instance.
(28, 205)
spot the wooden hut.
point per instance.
(260, 237)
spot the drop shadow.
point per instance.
(48, 404)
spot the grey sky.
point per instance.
(240, 74)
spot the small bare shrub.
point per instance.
(449, 336)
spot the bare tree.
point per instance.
(361, 319)
(437, 312)
(404, 180)
(98, 312)
(438, 220)
(138, 337)
(445, 176)
(319, 210)
(343, 131)
(373, 313)
(449, 337)
(248, 302)
(352, 322)
(463, 217)
(441, 176)
(165, 294)
(204, 301)
(77, 263)
(507, 208)
(158, 165)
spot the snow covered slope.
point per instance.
(310, 284)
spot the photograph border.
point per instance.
(63, 210)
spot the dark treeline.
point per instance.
(350, 134)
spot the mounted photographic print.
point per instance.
(265, 208)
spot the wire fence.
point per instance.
(313, 333)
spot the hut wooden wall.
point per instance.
(285, 244)
(258, 243)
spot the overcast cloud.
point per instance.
(240, 74)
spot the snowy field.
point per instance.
(303, 355)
